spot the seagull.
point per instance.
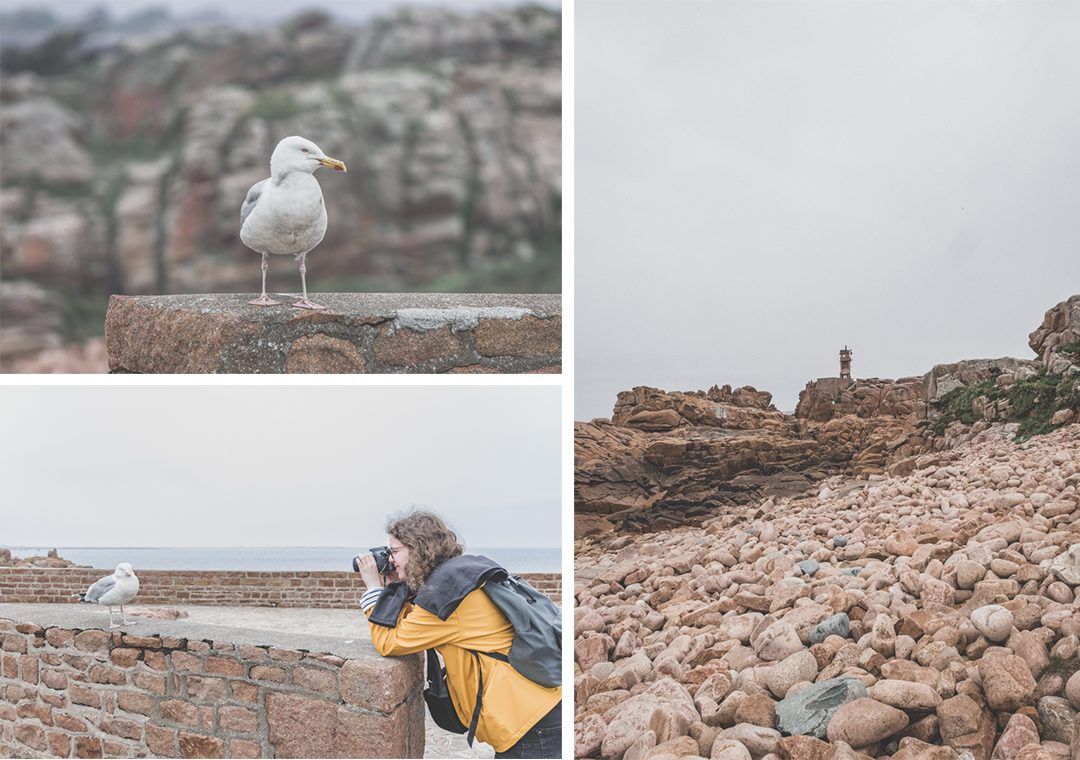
(284, 214)
(114, 590)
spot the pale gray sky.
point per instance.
(759, 183)
(276, 466)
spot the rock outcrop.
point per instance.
(669, 458)
(450, 125)
(51, 560)
(1057, 339)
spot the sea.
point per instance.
(516, 560)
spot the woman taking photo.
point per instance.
(436, 601)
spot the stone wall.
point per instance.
(357, 333)
(218, 587)
(94, 693)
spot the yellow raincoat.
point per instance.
(512, 704)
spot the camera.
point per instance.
(383, 563)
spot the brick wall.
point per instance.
(339, 590)
(92, 693)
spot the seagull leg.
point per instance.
(111, 626)
(123, 618)
(304, 303)
(264, 300)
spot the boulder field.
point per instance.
(929, 611)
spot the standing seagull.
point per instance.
(114, 590)
(284, 214)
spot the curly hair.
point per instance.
(429, 539)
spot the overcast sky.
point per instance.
(276, 466)
(760, 183)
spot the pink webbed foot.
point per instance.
(304, 303)
(264, 300)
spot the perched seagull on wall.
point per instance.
(114, 590)
(284, 214)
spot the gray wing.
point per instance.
(99, 589)
(251, 199)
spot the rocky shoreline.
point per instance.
(51, 560)
(891, 572)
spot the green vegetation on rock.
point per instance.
(1032, 400)
(1072, 351)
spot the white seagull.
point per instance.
(284, 214)
(114, 590)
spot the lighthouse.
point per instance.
(845, 362)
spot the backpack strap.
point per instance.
(434, 667)
(480, 689)
(479, 700)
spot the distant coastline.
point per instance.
(517, 560)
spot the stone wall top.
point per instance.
(357, 333)
(234, 627)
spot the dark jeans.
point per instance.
(542, 740)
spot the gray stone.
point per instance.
(839, 540)
(1057, 719)
(1066, 566)
(810, 566)
(808, 712)
(837, 625)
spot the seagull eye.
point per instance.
(304, 150)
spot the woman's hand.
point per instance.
(369, 571)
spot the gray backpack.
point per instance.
(536, 651)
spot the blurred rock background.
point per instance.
(128, 142)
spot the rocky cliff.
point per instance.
(124, 170)
(668, 458)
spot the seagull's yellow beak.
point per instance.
(333, 163)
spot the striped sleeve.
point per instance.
(367, 601)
